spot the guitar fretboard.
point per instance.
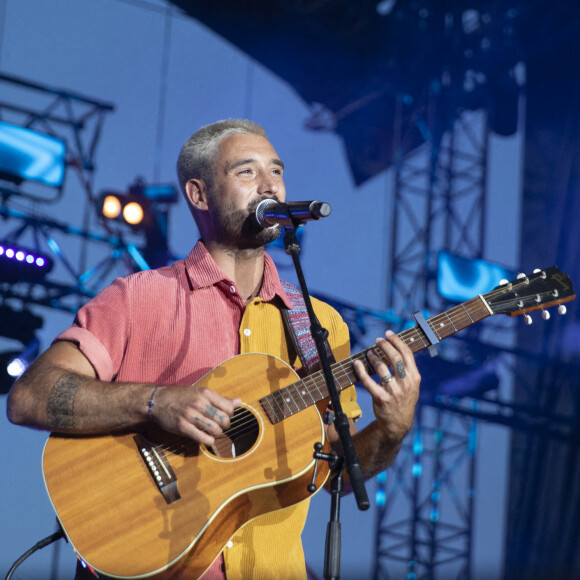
(312, 389)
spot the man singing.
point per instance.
(135, 352)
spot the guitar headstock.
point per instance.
(540, 290)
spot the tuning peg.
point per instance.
(528, 319)
(537, 271)
(562, 309)
(520, 276)
(545, 314)
(503, 282)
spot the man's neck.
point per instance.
(244, 267)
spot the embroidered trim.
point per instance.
(298, 324)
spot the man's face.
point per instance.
(247, 171)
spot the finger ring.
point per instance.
(387, 378)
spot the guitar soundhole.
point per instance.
(240, 437)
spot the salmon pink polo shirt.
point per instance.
(171, 326)
(168, 326)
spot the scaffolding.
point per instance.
(425, 500)
(84, 267)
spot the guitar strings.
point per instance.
(314, 385)
(246, 420)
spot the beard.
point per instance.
(239, 228)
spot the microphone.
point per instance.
(270, 212)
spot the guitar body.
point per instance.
(120, 522)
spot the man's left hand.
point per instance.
(395, 396)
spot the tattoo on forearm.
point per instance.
(401, 369)
(61, 402)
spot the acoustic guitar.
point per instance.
(140, 504)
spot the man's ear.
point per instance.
(197, 194)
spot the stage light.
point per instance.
(20, 326)
(21, 264)
(128, 208)
(158, 193)
(16, 367)
(14, 362)
(21, 361)
(111, 207)
(142, 206)
(145, 209)
(31, 156)
(6, 379)
(385, 7)
(133, 213)
(460, 279)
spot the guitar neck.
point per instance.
(312, 389)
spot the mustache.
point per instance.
(253, 205)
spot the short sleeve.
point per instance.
(101, 329)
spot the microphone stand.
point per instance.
(349, 459)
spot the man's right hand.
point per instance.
(61, 393)
(195, 412)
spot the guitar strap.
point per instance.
(298, 325)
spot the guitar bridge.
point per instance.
(159, 468)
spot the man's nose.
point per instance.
(269, 184)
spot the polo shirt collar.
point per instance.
(204, 272)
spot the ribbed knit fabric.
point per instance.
(170, 327)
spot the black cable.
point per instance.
(39, 545)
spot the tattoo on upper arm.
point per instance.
(61, 402)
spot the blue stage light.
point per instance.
(20, 326)
(160, 193)
(460, 279)
(22, 360)
(31, 156)
(19, 264)
(380, 497)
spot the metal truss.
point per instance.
(427, 481)
(439, 195)
(440, 204)
(425, 513)
(74, 118)
(108, 255)
(85, 257)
